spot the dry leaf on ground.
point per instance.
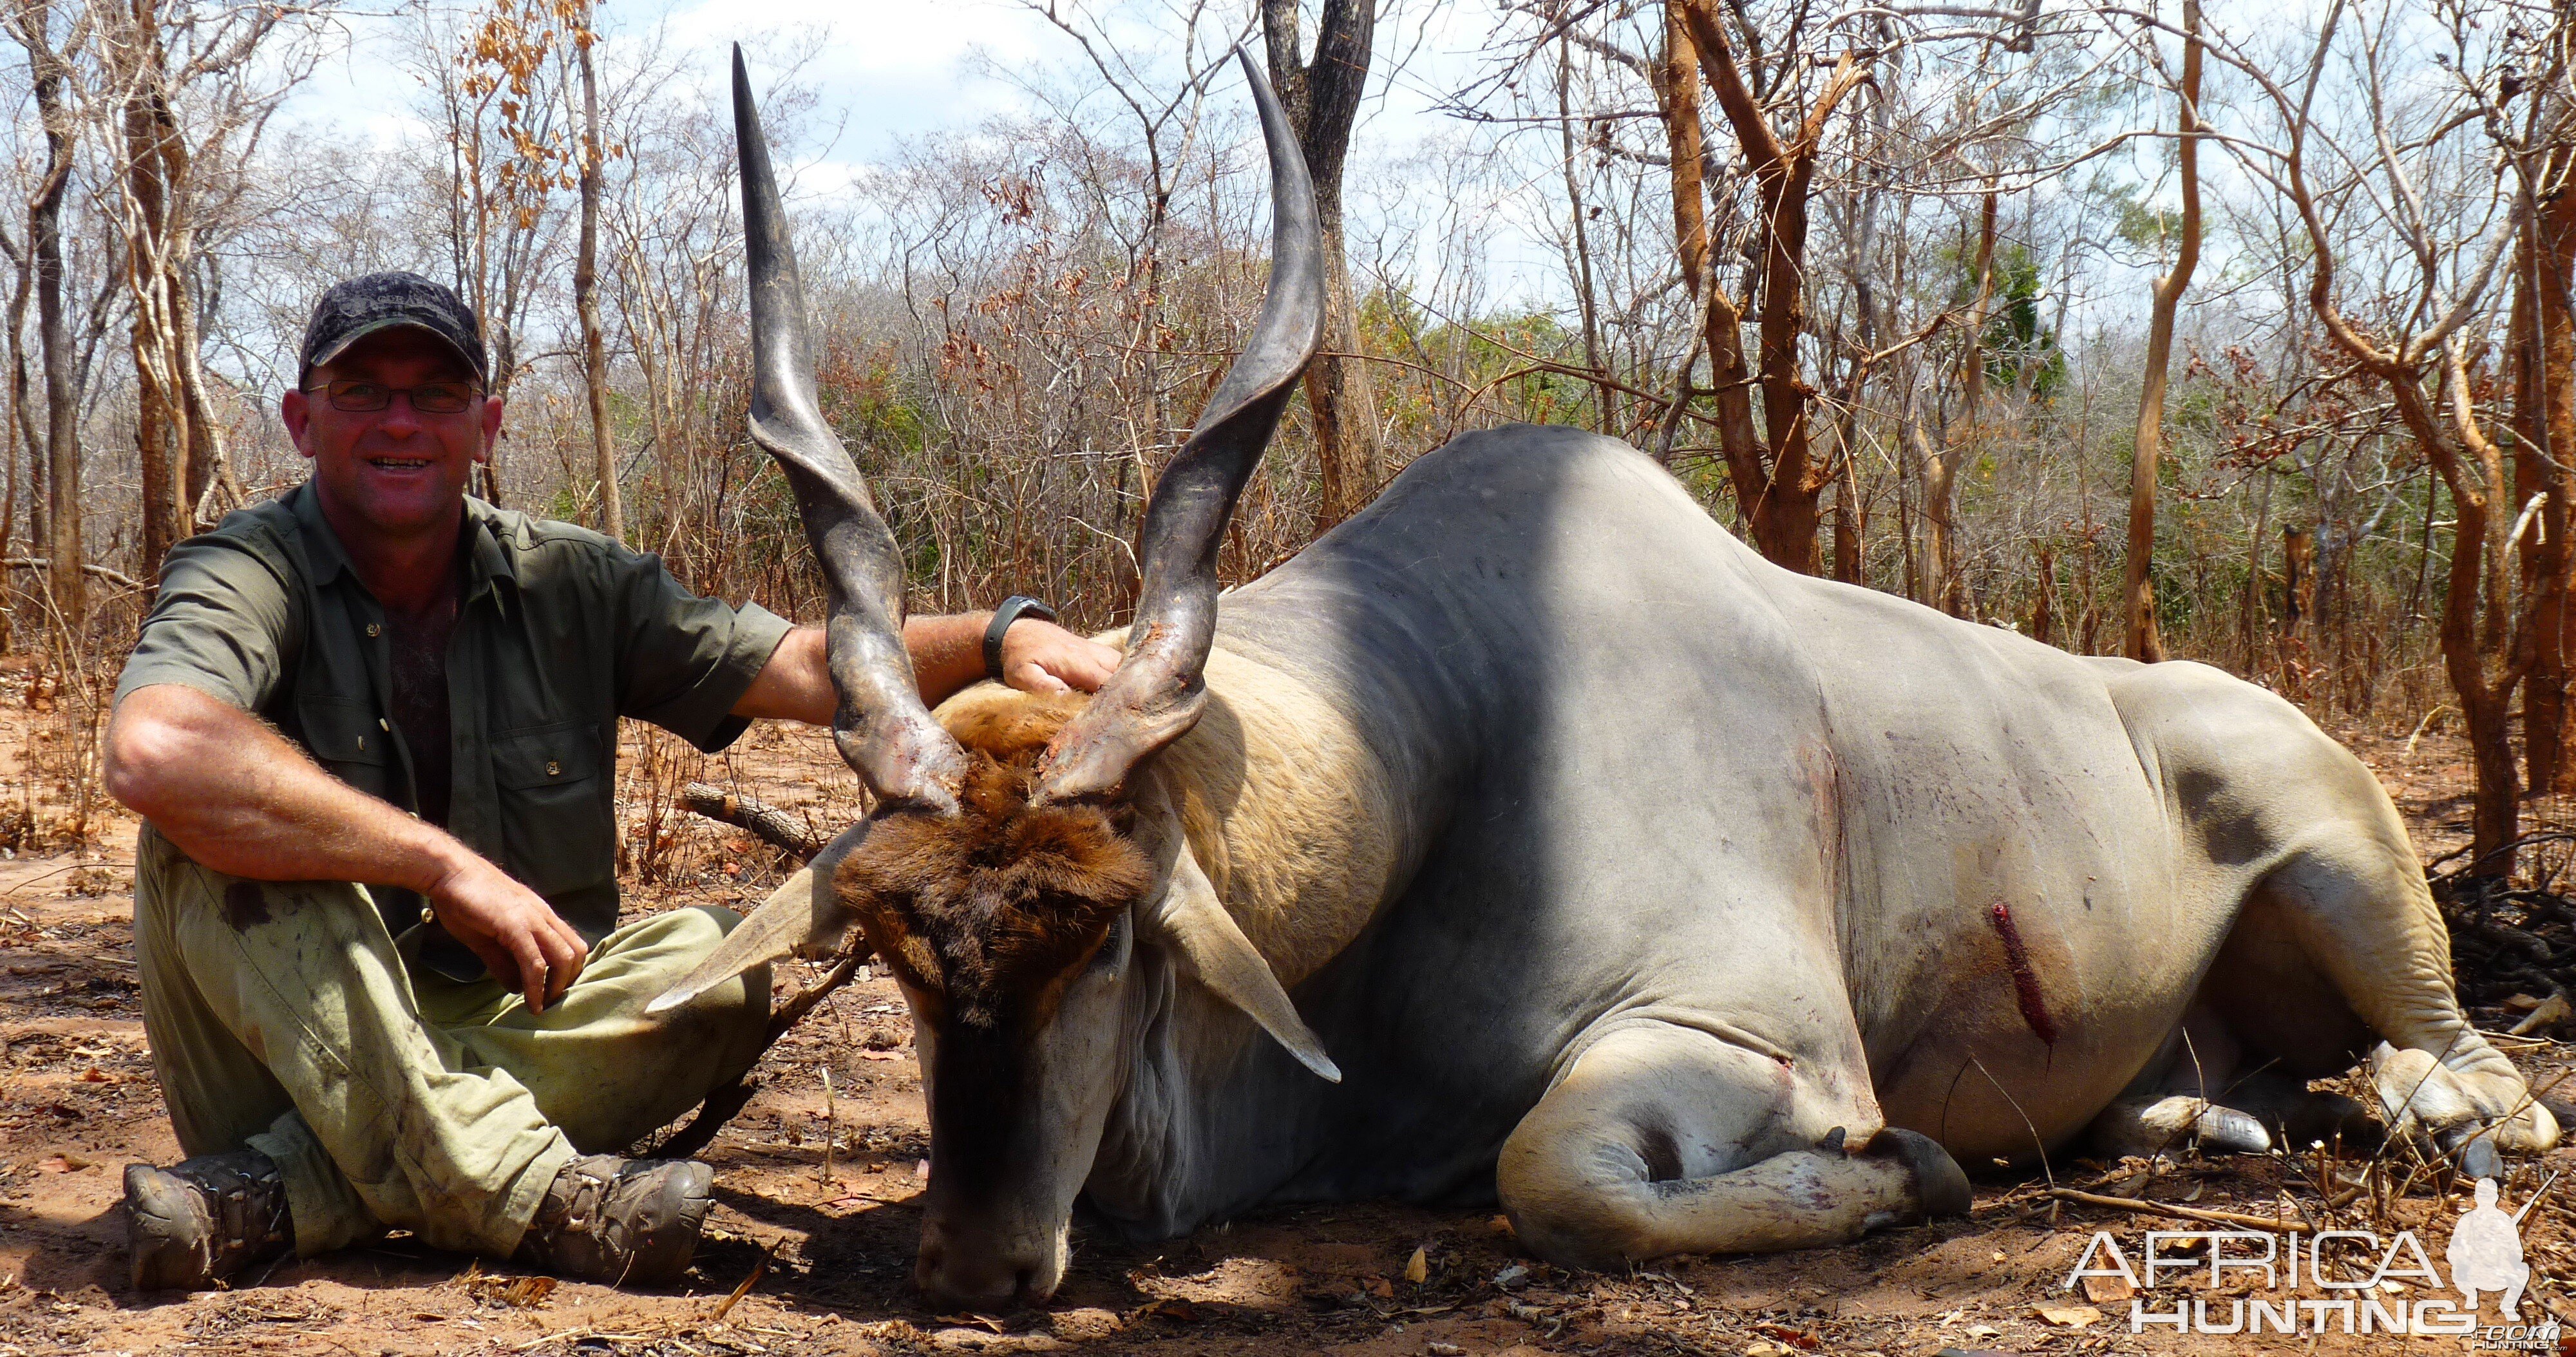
(2102, 1290)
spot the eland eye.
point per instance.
(1113, 949)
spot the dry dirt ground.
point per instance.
(811, 1245)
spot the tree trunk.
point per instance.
(1905, 506)
(1323, 100)
(2137, 574)
(24, 435)
(1948, 591)
(10, 440)
(1676, 81)
(1730, 377)
(1585, 300)
(1779, 499)
(1940, 589)
(2544, 693)
(1972, 365)
(585, 286)
(2043, 612)
(2472, 657)
(2545, 409)
(206, 476)
(67, 594)
(1849, 525)
(152, 185)
(2249, 622)
(2298, 578)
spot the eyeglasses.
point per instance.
(429, 398)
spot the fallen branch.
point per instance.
(813, 994)
(789, 835)
(725, 1103)
(2237, 1219)
(97, 572)
(757, 1269)
(771, 825)
(719, 1108)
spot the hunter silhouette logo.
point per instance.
(2486, 1251)
(2363, 1283)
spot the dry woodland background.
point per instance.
(2244, 337)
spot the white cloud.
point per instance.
(890, 68)
(886, 71)
(883, 68)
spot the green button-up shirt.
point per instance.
(561, 632)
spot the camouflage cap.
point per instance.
(358, 307)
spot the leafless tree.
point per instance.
(2405, 171)
(49, 59)
(1322, 97)
(190, 90)
(582, 38)
(2137, 577)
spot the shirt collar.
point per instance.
(321, 544)
(486, 559)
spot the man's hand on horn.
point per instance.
(1041, 657)
(947, 653)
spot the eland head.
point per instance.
(1018, 871)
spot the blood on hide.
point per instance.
(2034, 1010)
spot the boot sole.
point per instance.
(663, 1255)
(167, 1230)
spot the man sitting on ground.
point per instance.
(372, 728)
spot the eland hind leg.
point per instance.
(2341, 944)
(1664, 1139)
(2337, 943)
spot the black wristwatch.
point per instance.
(1012, 610)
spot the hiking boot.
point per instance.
(198, 1222)
(620, 1221)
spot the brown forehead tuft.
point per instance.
(1013, 727)
(1006, 898)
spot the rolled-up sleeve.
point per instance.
(222, 624)
(687, 660)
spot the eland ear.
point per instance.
(1209, 947)
(802, 917)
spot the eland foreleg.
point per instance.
(1665, 1139)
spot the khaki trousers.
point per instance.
(283, 1018)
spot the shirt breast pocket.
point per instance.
(349, 738)
(558, 820)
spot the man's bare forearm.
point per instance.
(947, 653)
(235, 796)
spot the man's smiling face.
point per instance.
(396, 473)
